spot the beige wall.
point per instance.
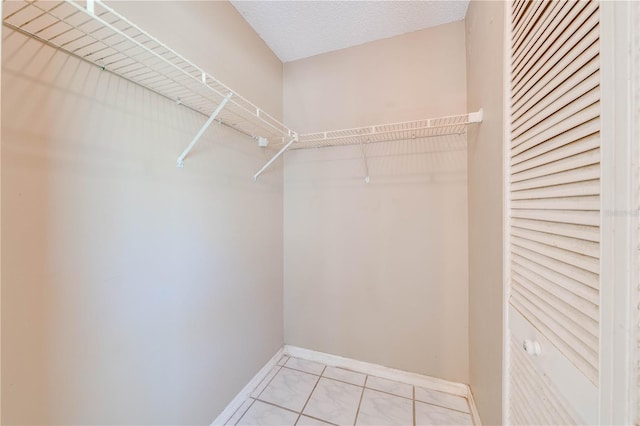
(408, 77)
(134, 292)
(378, 272)
(485, 38)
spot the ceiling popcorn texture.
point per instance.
(299, 29)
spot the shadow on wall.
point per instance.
(126, 296)
(433, 160)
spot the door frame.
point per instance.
(619, 212)
(506, 208)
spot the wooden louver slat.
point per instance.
(586, 310)
(583, 130)
(573, 120)
(551, 20)
(558, 278)
(535, 12)
(587, 233)
(567, 34)
(571, 148)
(566, 93)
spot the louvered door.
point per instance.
(554, 209)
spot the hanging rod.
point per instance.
(98, 34)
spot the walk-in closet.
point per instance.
(320, 212)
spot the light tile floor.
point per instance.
(301, 392)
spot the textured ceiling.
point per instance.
(299, 29)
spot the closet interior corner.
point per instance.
(390, 213)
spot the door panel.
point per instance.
(554, 212)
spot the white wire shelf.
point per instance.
(96, 33)
(407, 130)
(92, 31)
(433, 127)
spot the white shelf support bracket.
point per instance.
(364, 162)
(202, 130)
(475, 117)
(275, 157)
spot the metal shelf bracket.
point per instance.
(198, 135)
(476, 117)
(364, 162)
(275, 157)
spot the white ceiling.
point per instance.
(299, 29)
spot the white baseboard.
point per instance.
(231, 408)
(379, 371)
(475, 416)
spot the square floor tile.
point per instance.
(390, 386)
(267, 415)
(378, 408)
(263, 384)
(427, 414)
(308, 421)
(289, 389)
(304, 365)
(345, 375)
(442, 399)
(334, 401)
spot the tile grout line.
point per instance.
(302, 371)
(257, 396)
(360, 402)
(383, 391)
(321, 375)
(309, 397)
(337, 380)
(389, 393)
(267, 385)
(246, 411)
(364, 374)
(442, 406)
(414, 406)
(318, 419)
(257, 386)
(275, 405)
(234, 413)
(342, 381)
(290, 410)
(300, 414)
